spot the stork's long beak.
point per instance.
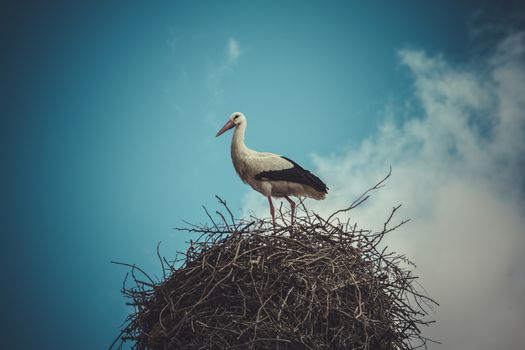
(230, 124)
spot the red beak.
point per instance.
(225, 128)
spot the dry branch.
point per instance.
(319, 284)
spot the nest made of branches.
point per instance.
(315, 283)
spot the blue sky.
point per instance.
(109, 111)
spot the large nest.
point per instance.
(314, 284)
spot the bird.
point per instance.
(270, 174)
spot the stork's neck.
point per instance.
(238, 146)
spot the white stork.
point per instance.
(268, 173)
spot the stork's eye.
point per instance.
(237, 116)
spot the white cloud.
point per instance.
(218, 72)
(458, 170)
(234, 51)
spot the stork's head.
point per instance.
(235, 119)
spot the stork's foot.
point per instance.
(292, 206)
(272, 211)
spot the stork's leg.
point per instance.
(272, 210)
(292, 205)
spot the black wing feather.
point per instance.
(295, 174)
